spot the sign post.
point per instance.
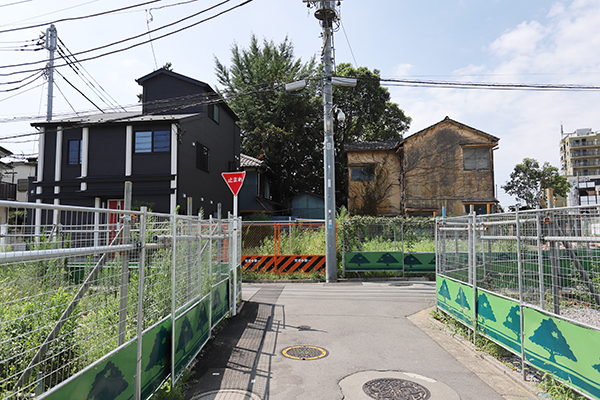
(235, 180)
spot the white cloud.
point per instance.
(560, 49)
(521, 40)
(402, 70)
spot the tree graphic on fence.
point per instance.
(387, 259)
(108, 384)
(359, 259)
(444, 292)
(160, 354)
(202, 319)
(185, 336)
(548, 336)
(596, 367)
(484, 308)
(513, 321)
(411, 260)
(461, 299)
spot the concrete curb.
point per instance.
(503, 380)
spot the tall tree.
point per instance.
(370, 115)
(528, 180)
(283, 127)
(287, 128)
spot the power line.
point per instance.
(15, 3)
(488, 85)
(25, 91)
(75, 65)
(80, 17)
(137, 36)
(32, 78)
(80, 92)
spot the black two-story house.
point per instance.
(174, 149)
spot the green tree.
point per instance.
(285, 128)
(528, 180)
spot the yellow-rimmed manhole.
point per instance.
(304, 352)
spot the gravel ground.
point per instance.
(586, 315)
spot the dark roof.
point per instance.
(389, 144)
(459, 124)
(205, 86)
(163, 71)
(115, 118)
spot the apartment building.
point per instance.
(580, 164)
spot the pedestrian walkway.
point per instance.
(347, 340)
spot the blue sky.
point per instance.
(530, 41)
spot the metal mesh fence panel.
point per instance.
(389, 234)
(70, 280)
(547, 258)
(288, 237)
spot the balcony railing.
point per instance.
(8, 191)
(587, 143)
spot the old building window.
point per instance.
(74, 152)
(476, 158)
(152, 141)
(362, 173)
(202, 157)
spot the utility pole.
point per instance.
(51, 39)
(327, 15)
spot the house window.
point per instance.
(202, 157)
(478, 208)
(363, 173)
(214, 112)
(476, 158)
(152, 141)
(74, 152)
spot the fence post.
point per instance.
(520, 280)
(140, 309)
(124, 265)
(189, 247)
(219, 241)
(200, 252)
(538, 222)
(473, 253)
(555, 265)
(210, 270)
(173, 291)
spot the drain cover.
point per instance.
(395, 389)
(400, 284)
(304, 352)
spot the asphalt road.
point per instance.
(347, 340)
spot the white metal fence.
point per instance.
(531, 282)
(79, 284)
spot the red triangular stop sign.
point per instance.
(234, 180)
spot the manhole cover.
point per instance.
(395, 389)
(304, 352)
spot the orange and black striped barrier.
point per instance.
(286, 264)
